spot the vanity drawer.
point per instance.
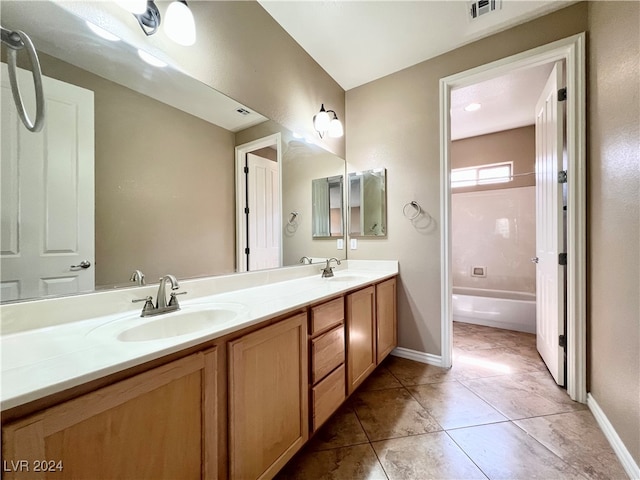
(327, 396)
(325, 315)
(327, 352)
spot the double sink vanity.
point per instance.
(231, 385)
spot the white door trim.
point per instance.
(572, 51)
(241, 228)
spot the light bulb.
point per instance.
(133, 6)
(321, 121)
(179, 24)
(335, 128)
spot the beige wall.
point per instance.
(408, 146)
(495, 229)
(613, 215)
(517, 145)
(164, 185)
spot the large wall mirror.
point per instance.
(368, 203)
(134, 170)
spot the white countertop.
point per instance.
(51, 356)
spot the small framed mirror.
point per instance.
(327, 207)
(368, 203)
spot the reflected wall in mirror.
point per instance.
(367, 203)
(160, 160)
(327, 213)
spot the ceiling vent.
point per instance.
(243, 111)
(482, 7)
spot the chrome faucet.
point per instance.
(161, 305)
(327, 271)
(305, 259)
(138, 277)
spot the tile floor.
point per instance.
(496, 414)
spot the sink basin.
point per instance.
(188, 320)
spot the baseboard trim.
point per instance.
(627, 461)
(428, 358)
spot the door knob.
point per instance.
(82, 264)
(534, 259)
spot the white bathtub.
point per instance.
(495, 308)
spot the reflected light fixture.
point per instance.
(323, 123)
(179, 24)
(102, 32)
(150, 59)
(472, 107)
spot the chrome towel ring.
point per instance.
(413, 211)
(17, 40)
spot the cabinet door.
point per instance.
(268, 398)
(386, 318)
(361, 336)
(157, 425)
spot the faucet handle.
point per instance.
(173, 300)
(148, 304)
(145, 299)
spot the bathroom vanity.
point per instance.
(235, 399)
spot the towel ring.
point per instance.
(407, 213)
(18, 40)
(292, 219)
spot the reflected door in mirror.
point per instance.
(367, 203)
(327, 211)
(47, 187)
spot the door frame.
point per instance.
(572, 51)
(241, 191)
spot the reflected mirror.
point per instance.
(326, 198)
(367, 203)
(145, 176)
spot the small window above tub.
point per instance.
(482, 175)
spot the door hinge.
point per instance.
(562, 176)
(246, 251)
(562, 94)
(562, 341)
(562, 259)
(246, 169)
(246, 210)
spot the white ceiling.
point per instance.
(506, 102)
(359, 41)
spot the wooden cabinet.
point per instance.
(268, 398)
(326, 315)
(327, 354)
(159, 424)
(386, 318)
(361, 336)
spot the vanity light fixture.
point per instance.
(179, 24)
(133, 6)
(324, 124)
(472, 107)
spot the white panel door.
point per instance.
(47, 195)
(549, 229)
(263, 186)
